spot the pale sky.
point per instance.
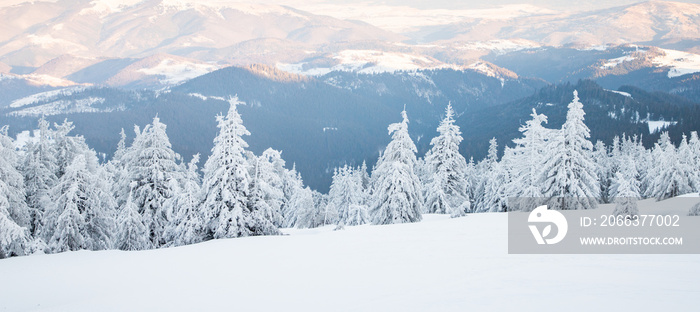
(559, 5)
(423, 4)
(550, 4)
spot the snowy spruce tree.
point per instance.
(267, 185)
(694, 160)
(346, 197)
(687, 161)
(67, 147)
(14, 239)
(186, 224)
(396, 195)
(226, 184)
(632, 148)
(625, 179)
(293, 188)
(669, 176)
(306, 213)
(81, 215)
(492, 196)
(568, 173)
(626, 195)
(605, 169)
(153, 165)
(14, 212)
(446, 183)
(39, 170)
(131, 234)
(12, 188)
(526, 157)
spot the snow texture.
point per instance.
(658, 125)
(364, 268)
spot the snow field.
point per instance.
(439, 264)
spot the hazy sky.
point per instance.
(474, 4)
(566, 5)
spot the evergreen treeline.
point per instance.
(56, 196)
(559, 167)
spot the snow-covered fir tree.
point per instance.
(396, 190)
(491, 192)
(326, 216)
(364, 175)
(153, 165)
(12, 189)
(346, 197)
(625, 179)
(68, 147)
(307, 213)
(568, 173)
(267, 184)
(694, 160)
(604, 167)
(226, 184)
(633, 151)
(626, 196)
(14, 212)
(668, 176)
(292, 189)
(121, 146)
(14, 239)
(186, 224)
(446, 182)
(81, 215)
(687, 161)
(39, 170)
(132, 234)
(526, 156)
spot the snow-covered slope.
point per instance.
(403, 19)
(678, 63)
(439, 264)
(657, 22)
(365, 62)
(43, 96)
(160, 69)
(138, 28)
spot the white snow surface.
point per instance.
(42, 96)
(483, 68)
(401, 19)
(620, 93)
(439, 264)
(369, 62)
(25, 137)
(501, 46)
(174, 72)
(66, 107)
(656, 125)
(680, 63)
(616, 61)
(105, 7)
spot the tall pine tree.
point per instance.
(226, 184)
(153, 165)
(568, 172)
(396, 196)
(446, 184)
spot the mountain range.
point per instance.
(329, 80)
(91, 42)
